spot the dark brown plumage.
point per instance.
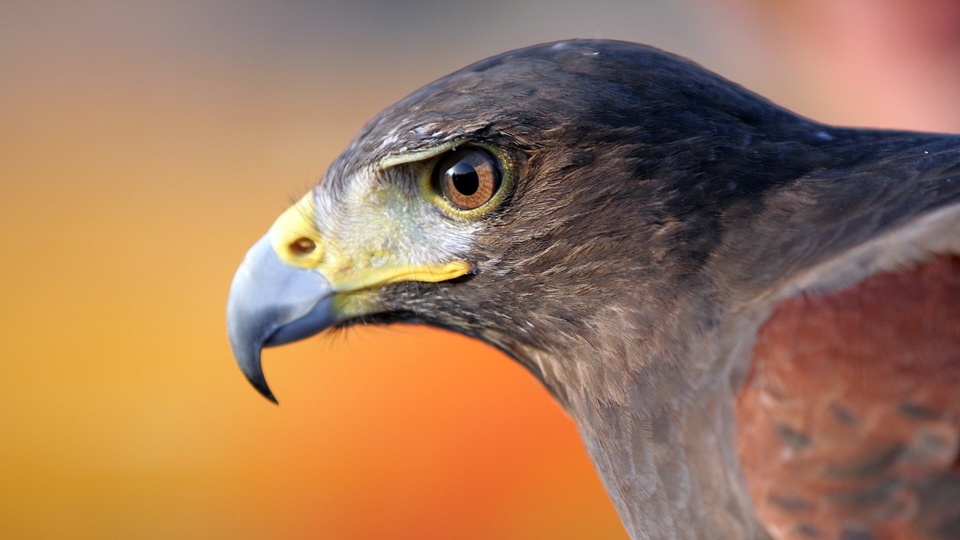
(653, 219)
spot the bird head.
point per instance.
(551, 201)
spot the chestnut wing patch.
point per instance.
(849, 422)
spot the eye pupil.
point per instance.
(467, 178)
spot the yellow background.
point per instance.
(145, 145)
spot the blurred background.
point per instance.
(145, 145)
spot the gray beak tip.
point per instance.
(270, 304)
(247, 356)
(260, 383)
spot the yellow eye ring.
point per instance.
(479, 182)
(467, 178)
(494, 176)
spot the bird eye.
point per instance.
(467, 178)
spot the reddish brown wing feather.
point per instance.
(849, 424)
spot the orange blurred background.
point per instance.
(144, 147)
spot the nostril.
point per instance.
(302, 246)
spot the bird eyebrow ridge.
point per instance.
(392, 160)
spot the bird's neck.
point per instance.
(663, 441)
(673, 471)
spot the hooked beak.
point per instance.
(273, 303)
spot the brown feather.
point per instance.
(657, 215)
(849, 423)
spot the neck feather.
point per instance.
(663, 442)
(672, 472)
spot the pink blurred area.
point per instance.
(144, 147)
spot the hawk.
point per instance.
(753, 318)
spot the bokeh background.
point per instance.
(145, 145)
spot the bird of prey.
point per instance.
(752, 317)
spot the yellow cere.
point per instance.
(294, 233)
(297, 242)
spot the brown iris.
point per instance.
(467, 178)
